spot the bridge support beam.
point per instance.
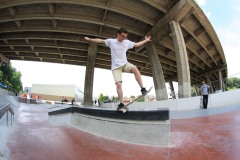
(184, 82)
(157, 73)
(89, 75)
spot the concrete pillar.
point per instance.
(184, 81)
(172, 90)
(209, 82)
(220, 80)
(157, 73)
(88, 84)
(224, 86)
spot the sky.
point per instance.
(224, 16)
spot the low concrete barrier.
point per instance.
(216, 100)
(25, 100)
(152, 129)
(22, 99)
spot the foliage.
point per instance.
(115, 99)
(142, 99)
(1, 76)
(233, 82)
(101, 97)
(10, 77)
(132, 97)
(194, 92)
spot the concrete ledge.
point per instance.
(145, 129)
(155, 133)
(145, 115)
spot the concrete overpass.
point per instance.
(185, 47)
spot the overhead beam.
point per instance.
(195, 36)
(177, 12)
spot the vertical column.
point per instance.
(88, 84)
(184, 82)
(157, 73)
(220, 80)
(210, 84)
(172, 90)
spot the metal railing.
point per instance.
(6, 109)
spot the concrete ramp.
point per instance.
(5, 99)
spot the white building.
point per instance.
(55, 92)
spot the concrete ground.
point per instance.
(209, 137)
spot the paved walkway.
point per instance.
(212, 137)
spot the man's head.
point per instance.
(203, 82)
(122, 34)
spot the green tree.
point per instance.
(132, 97)
(1, 76)
(114, 99)
(233, 82)
(193, 92)
(142, 99)
(101, 97)
(11, 77)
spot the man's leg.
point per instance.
(119, 91)
(117, 75)
(137, 75)
(206, 101)
(138, 78)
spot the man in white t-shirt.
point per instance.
(204, 93)
(119, 47)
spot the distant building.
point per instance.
(55, 92)
(27, 89)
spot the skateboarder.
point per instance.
(119, 47)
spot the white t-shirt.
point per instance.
(204, 89)
(118, 51)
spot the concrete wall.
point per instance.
(221, 99)
(57, 91)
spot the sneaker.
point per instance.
(120, 106)
(144, 91)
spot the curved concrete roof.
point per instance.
(53, 31)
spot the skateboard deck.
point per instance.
(125, 108)
(201, 102)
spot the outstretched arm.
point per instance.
(147, 39)
(95, 40)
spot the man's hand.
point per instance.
(87, 39)
(148, 38)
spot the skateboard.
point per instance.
(201, 102)
(125, 108)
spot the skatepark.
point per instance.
(193, 133)
(178, 44)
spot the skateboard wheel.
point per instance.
(124, 110)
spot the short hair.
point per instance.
(122, 30)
